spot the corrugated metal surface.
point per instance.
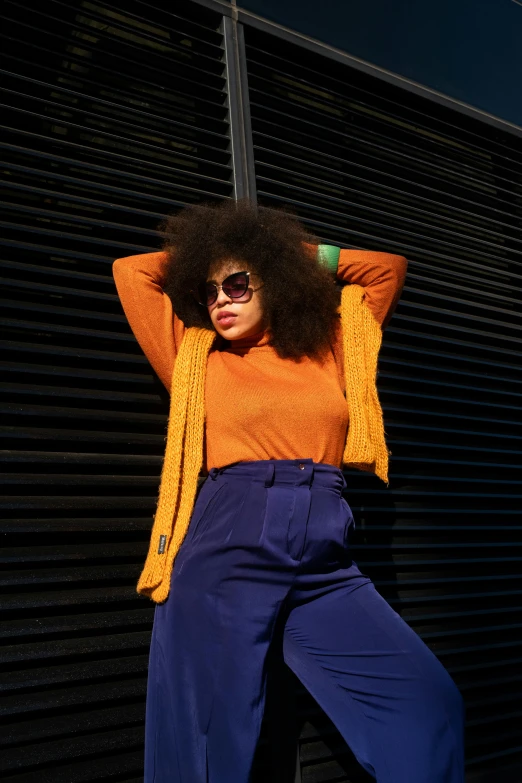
(113, 115)
(368, 165)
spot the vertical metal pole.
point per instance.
(241, 141)
(297, 778)
(239, 109)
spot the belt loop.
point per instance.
(269, 478)
(213, 472)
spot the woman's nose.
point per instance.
(222, 297)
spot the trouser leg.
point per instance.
(389, 696)
(209, 652)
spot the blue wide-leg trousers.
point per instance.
(270, 541)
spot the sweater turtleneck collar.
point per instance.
(245, 344)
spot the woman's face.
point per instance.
(246, 314)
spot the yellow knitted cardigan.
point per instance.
(365, 446)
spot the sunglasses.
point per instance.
(235, 286)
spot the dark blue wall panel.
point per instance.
(467, 49)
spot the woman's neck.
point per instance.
(243, 344)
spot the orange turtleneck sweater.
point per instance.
(257, 405)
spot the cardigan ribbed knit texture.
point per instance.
(181, 464)
(365, 445)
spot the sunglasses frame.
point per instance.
(218, 288)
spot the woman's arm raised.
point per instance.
(381, 275)
(139, 282)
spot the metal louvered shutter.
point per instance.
(113, 115)
(368, 165)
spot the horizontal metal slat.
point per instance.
(65, 503)
(29, 86)
(77, 645)
(57, 599)
(437, 174)
(409, 304)
(465, 285)
(212, 151)
(372, 98)
(289, 96)
(55, 310)
(71, 199)
(391, 348)
(79, 622)
(96, 185)
(273, 99)
(73, 524)
(214, 168)
(76, 552)
(82, 436)
(449, 416)
(367, 175)
(63, 30)
(101, 692)
(171, 102)
(145, 82)
(73, 220)
(110, 25)
(83, 414)
(81, 353)
(67, 673)
(83, 573)
(392, 394)
(64, 329)
(446, 225)
(55, 371)
(60, 750)
(445, 341)
(72, 459)
(401, 366)
(42, 728)
(79, 393)
(66, 481)
(409, 320)
(87, 770)
(62, 253)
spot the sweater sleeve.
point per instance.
(139, 282)
(381, 275)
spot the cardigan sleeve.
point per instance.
(139, 282)
(381, 275)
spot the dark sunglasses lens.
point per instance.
(236, 285)
(207, 293)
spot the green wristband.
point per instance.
(328, 256)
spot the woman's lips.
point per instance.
(226, 320)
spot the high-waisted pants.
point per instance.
(270, 540)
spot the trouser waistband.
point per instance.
(292, 472)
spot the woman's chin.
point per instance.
(229, 332)
(233, 332)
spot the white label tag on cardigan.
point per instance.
(162, 542)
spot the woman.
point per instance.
(239, 317)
